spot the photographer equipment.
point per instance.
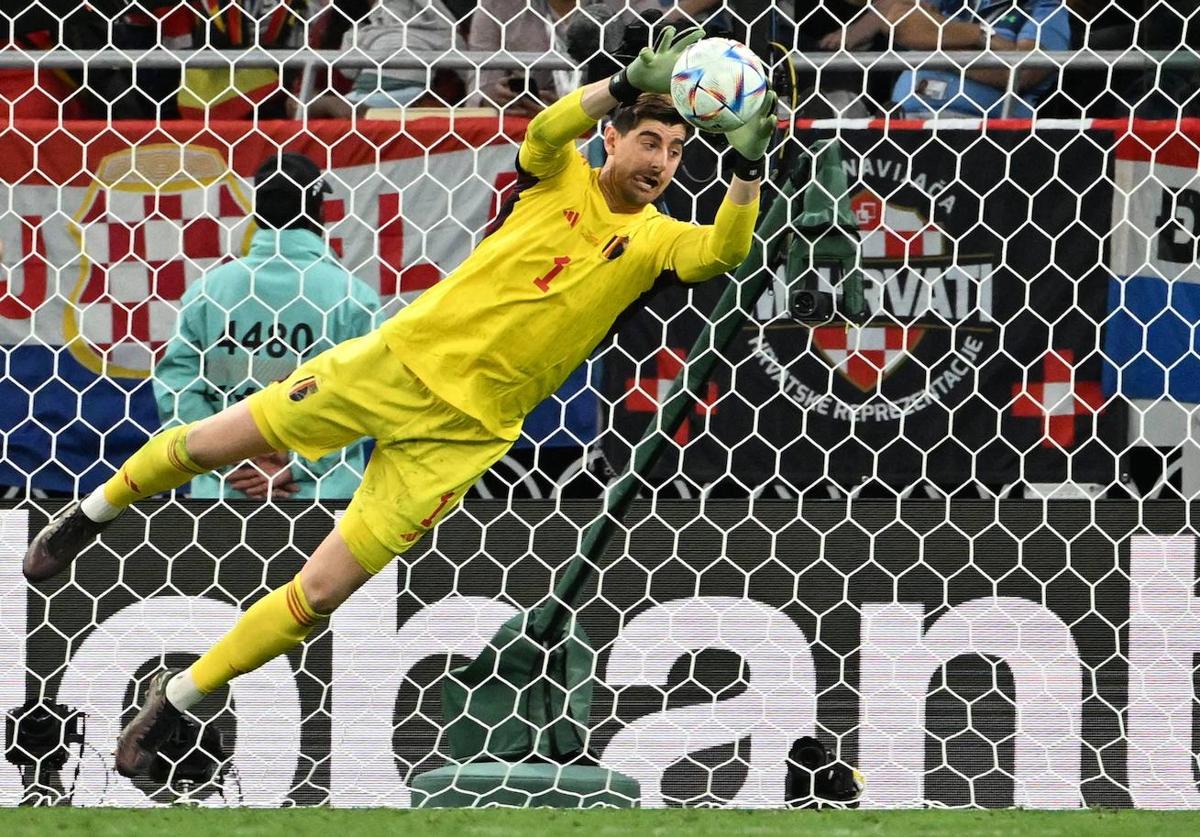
(595, 41)
(815, 777)
(824, 234)
(603, 41)
(39, 735)
(191, 757)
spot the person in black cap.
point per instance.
(254, 320)
(289, 193)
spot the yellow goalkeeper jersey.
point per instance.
(505, 329)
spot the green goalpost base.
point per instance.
(481, 784)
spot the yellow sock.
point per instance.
(276, 623)
(159, 465)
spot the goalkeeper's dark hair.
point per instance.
(656, 106)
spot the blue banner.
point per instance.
(1151, 343)
(65, 428)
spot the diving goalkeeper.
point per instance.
(444, 386)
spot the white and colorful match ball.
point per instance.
(718, 84)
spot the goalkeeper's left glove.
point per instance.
(651, 71)
(750, 141)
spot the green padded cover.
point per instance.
(484, 783)
(521, 697)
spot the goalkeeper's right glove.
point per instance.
(651, 71)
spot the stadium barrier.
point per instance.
(989, 654)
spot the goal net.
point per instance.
(948, 533)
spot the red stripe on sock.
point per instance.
(129, 482)
(173, 456)
(293, 603)
(294, 607)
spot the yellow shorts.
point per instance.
(427, 453)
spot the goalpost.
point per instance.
(949, 537)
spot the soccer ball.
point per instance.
(718, 84)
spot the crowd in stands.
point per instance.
(380, 27)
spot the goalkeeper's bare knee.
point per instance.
(229, 437)
(332, 574)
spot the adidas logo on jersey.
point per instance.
(572, 217)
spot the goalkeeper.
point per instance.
(444, 386)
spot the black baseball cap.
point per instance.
(289, 190)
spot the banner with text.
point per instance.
(986, 280)
(966, 654)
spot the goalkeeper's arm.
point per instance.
(698, 253)
(549, 139)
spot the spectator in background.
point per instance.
(804, 27)
(28, 93)
(236, 92)
(984, 25)
(696, 11)
(392, 25)
(327, 30)
(383, 26)
(254, 320)
(168, 24)
(718, 17)
(525, 26)
(542, 26)
(174, 25)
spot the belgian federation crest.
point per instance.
(154, 218)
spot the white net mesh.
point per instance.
(950, 539)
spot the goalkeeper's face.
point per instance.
(642, 160)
